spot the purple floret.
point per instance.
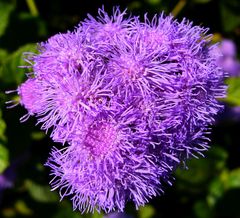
(228, 61)
(130, 101)
(106, 168)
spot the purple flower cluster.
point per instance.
(130, 101)
(228, 61)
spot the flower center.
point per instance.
(100, 139)
(127, 68)
(108, 31)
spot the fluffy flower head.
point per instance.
(129, 99)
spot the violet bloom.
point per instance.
(108, 165)
(117, 215)
(9, 175)
(228, 61)
(130, 100)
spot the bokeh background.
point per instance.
(211, 186)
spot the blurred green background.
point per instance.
(211, 186)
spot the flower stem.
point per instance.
(179, 6)
(32, 7)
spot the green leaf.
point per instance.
(233, 179)
(4, 156)
(4, 162)
(146, 211)
(154, 2)
(219, 156)
(226, 181)
(36, 22)
(2, 129)
(199, 170)
(230, 14)
(134, 5)
(38, 135)
(97, 215)
(40, 193)
(22, 208)
(5, 11)
(233, 96)
(202, 210)
(216, 191)
(3, 54)
(10, 71)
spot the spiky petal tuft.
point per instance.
(130, 100)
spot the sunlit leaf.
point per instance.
(227, 180)
(97, 215)
(3, 158)
(2, 128)
(234, 179)
(154, 2)
(3, 54)
(22, 208)
(4, 155)
(146, 212)
(5, 11)
(233, 96)
(40, 193)
(216, 190)
(37, 135)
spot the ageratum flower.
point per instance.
(228, 61)
(106, 167)
(129, 99)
